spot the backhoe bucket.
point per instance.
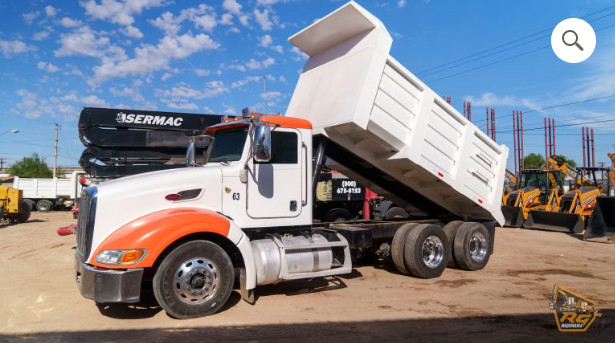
(602, 220)
(554, 221)
(513, 216)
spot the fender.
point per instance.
(156, 231)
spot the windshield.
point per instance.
(228, 145)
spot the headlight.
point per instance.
(120, 256)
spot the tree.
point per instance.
(533, 161)
(30, 167)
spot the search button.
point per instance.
(574, 42)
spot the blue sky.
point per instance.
(211, 57)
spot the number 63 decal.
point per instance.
(235, 196)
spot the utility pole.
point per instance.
(2, 163)
(55, 153)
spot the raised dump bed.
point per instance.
(388, 130)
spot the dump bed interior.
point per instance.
(387, 129)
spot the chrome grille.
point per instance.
(85, 223)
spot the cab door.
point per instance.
(274, 187)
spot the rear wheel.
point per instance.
(398, 246)
(337, 215)
(44, 205)
(426, 252)
(24, 212)
(396, 213)
(194, 280)
(450, 230)
(471, 247)
(30, 202)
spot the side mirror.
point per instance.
(190, 159)
(261, 147)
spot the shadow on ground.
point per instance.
(510, 328)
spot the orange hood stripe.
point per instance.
(156, 231)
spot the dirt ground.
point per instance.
(507, 301)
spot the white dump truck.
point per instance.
(43, 194)
(246, 214)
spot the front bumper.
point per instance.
(107, 285)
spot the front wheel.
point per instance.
(44, 205)
(194, 280)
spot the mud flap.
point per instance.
(513, 216)
(554, 221)
(602, 220)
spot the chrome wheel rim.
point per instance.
(433, 251)
(196, 280)
(478, 247)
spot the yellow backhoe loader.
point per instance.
(602, 220)
(535, 189)
(12, 207)
(571, 211)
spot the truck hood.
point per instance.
(123, 200)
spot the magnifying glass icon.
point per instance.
(576, 39)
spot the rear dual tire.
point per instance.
(420, 249)
(469, 244)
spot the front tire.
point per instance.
(194, 280)
(24, 212)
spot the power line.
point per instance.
(565, 125)
(557, 106)
(511, 42)
(502, 60)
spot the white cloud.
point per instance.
(266, 2)
(93, 100)
(229, 110)
(299, 55)
(271, 95)
(234, 30)
(401, 3)
(491, 99)
(47, 67)
(277, 48)
(265, 41)
(257, 65)
(202, 72)
(118, 12)
(14, 47)
(149, 58)
(40, 35)
(184, 91)
(166, 76)
(131, 31)
(227, 19)
(245, 81)
(167, 23)
(183, 106)
(86, 42)
(132, 93)
(262, 18)
(29, 17)
(206, 22)
(244, 19)
(232, 6)
(68, 22)
(50, 11)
